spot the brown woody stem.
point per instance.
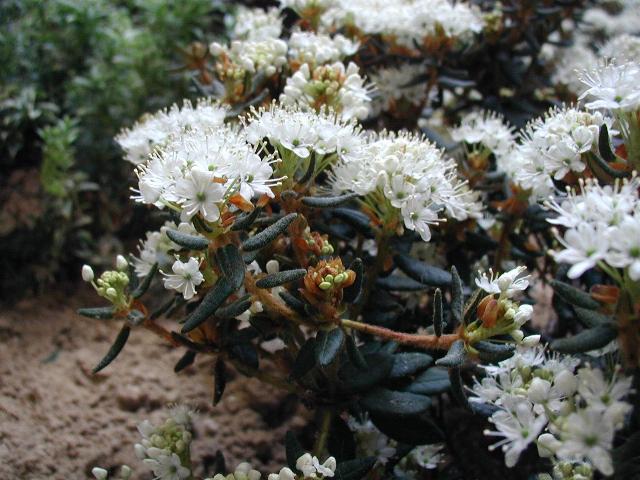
(431, 342)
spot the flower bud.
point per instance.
(99, 473)
(517, 335)
(121, 262)
(566, 382)
(87, 273)
(531, 341)
(125, 472)
(539, 390)
(547, 445)
(273, 266)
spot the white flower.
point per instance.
(488, 129)
(168, 467)
(153, 131)
(99, 473)
(199, 193)
(587, 434)
(87, 273)
(418, 216)
(584, 246)
(599, 393)
(265, 56)
(613, 86)
(547, 445)
(318, 49)
(342, 89)
(507, 284)
(538, 390)
(257, 24)
(624, 47)
(625, 246)
(121, 262)
(518, 425)
(284, 474)
(311, 466)
(394, 85)
(185, 277)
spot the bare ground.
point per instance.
(57, 420)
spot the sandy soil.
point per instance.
(57, 420)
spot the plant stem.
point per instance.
(431, 342)
(325, 426)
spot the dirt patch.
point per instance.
(57, 420)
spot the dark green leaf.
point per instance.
(135, 317)
(591, 318)
(586, 340)
(438, 319)
(280, 278)
(328, 346)
(494, 352)
(457, 387)
(574, 296)
(354, 380)
(186, 360)
(356, 219)
(451, 82)
(354, 469)
(414, 430)
(409, 363)
(293, 302)
(454, 357)
(427, 274)
(231, 265)
(144, 285)
(190, 242)
(211, 302)
(235, 308)
(244, 222)
(102, 313)
(471, 307)
(269, 234)
(326, 202)
(457, 299)
(432, 382)
(353, 293)
(393, 403)
(604, 145)
(355, 355)
(246, 353)
(627, 458)
(305, 360)
(115, 349)
(399, 283)
(310, 171)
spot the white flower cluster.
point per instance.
(409, 22)
(393, 86)
(421, 458)
(165, 448)
(335, 86)
(569, 60)
(199, 172)
(624, 20)
(309, 465)
(602, 225)
(551, 147)
(319, 49)
(613, 86)
(571, 415)
(370, 441)
(256, 24)
(406, 174)
(259, 57)
(623, 47)
(154, 131)
(487, 129)
(302, 132)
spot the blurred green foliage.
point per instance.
(74, 72)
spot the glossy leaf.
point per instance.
(394, 403)
(328, 346)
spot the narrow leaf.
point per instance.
(438, 319)
(354, 353)
(471, 307)
(573, 295)
(354, 469)
(427, 274)
(432, 382)
(393, 403)
(457, 387)
(280, 278)
(356, 219)
(135, 317)
(457, 298)
(341, 444)
(244, 222)
(211, 302)
(409, 363)
(269, 234)
(494, 352)
(102, 313)
(186, 360)
(235, 308)
(190, 242)
(246, 353)
(293, 302)
(115, 349)
(231, 264)
(414, 430)
(326, 202)
(604, 146)
(144, 285)
(591, 318)
(328, 345)
(586, 340)
(355, 380)
(305, 360)
(454, 357)
(398, 283)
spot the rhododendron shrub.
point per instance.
(391, 279)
